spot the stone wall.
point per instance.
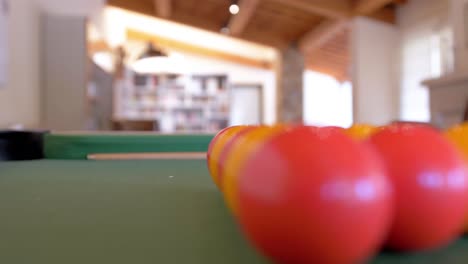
(290, 82)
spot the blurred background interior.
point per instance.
(190, 66)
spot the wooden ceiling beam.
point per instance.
(239, 22)
(163, 8)
(321, 34)
(336, 45)
(387, 15)
(324, 55)
(142, 7)
(175, 45)
(328, 29)
(367, 7)
(336, 9)
(328, 49)
(325, 63)
(331, 67)
(323, 60)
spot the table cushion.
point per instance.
(79, 146)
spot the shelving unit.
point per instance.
(175, 103)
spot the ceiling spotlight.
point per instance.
(225, 30)
(234, 9)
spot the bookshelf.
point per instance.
(174, 103)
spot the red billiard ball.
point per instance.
(430, 184)
(310, 197)
(242, 149)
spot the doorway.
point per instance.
(246, 103)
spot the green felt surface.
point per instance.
(57, 146)
(131, 212)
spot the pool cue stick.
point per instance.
(147, 156)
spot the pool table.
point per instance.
(159, 211)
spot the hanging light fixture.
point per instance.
(156, 61)
(225, 29)
(151, 52)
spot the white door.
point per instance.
(246, 107)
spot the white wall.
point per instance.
(374, 47)
(457, 18)
(419, 21)
(19, 98)
(415, 12)
(245, 104)
(64, 72)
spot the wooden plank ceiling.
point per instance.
(318, 27)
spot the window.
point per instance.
(426, 52)
(327, 102)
